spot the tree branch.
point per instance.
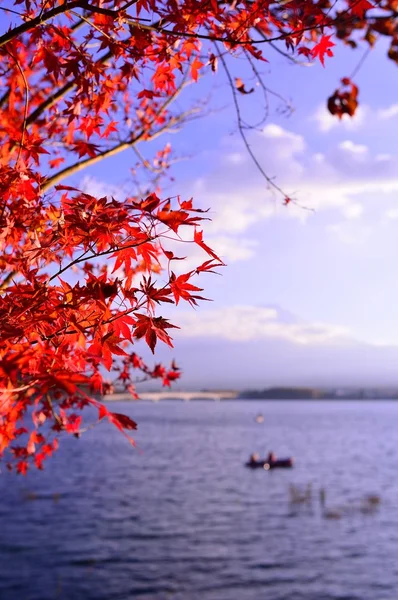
(59, 10)
(53, 99)
(7, 279)
(97, 254)
(39, 20)
(75, 168)
(25, 113)
(6, 95)
(241, 130)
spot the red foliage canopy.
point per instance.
(80, 276)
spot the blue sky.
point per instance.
(307, 298)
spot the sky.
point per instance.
(308, 297)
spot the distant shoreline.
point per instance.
(126, 397)
(275, 393)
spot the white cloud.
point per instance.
(233, 212)
(327, 121)
(352, 211)
(232, 249)
(349, 146)
(389, 112)
(284, 142)
(235, 158)
(351, 232)
(275, 131)
(229, 249)
(391, 214)
(99, 188)
(333, 181)
(242, 323)
(329, 181)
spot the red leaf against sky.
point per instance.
(196, 65)
(181, 288)
(198, 239)
(110, 128)
(240, 86)
(322, 48)
(152, 328)
(359, 7)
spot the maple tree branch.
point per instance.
(59, 94)
(42, 18)
(344, 18)
(7, 279)
(25, 114)
(19, 389)
(76, 167)
(14, 12)
(285, 54)
(4, 98)
(53, 411)
(74, 262)
(249, 150)
(241, 130)
(48, 103)
(222, 39)
(109, 12)
(39, 20)
(338, 20)
(51, 100)
(176, 120)
(360, 62)
(79, 166)
(82, 258)
(114, 317)
(65, 7)
(266, 91)
(145, 163)
(91, 24)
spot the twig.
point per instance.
(360, 62)
(25, 115)
(75, 168)
(7, 279)
(241, 130)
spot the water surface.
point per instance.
(183, 519)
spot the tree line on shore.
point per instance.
(306, 393)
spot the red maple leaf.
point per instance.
(198, 238)
(359, 7)
(240, 86)
(153, 328)
(195, 66)
(323, 47)
(122, 421)
(183, 289)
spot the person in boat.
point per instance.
(271, 457)
(254, 458)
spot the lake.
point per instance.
(181, 518)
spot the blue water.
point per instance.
(183, 519)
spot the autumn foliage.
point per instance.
(84, 278)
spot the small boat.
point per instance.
(260, 418)
(280, 463)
